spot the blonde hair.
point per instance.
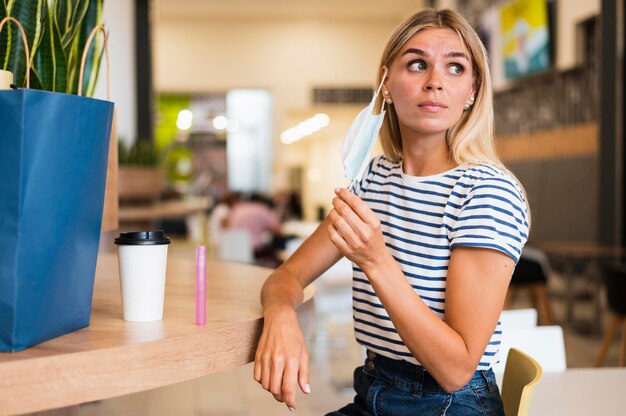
(471, 140)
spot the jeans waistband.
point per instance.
(411, 377)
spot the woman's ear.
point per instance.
(384, 75)
(470, 99)
(474, 90)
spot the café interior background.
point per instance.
(559, 130)
(310, 57)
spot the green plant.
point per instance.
(57, 31)
(140, 153)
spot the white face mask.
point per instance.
(359, 142)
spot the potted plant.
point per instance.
(54, 158)
(57, 31)
(140, 177)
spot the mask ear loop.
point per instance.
(351, 187)
(382, 81)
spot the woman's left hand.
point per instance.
(355, 230)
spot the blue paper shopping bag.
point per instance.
(53, 164)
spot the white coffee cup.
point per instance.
(142, 259)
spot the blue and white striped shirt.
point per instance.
(422, 220)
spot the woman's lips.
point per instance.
(432, 106)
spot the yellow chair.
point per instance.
(521, 375)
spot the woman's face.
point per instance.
(430, 82)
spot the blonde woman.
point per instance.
(434, 229)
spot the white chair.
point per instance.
(235, 246)
(544, 343)
(513, 319)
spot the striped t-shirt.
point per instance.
(422, 220)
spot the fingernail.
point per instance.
(292, 409)
(307, 389)
(337, 190)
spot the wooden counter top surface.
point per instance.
(113, 357)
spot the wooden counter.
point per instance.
(113, 357)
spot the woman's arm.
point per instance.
(476, 285)
(281, 360)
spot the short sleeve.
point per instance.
(493, 215)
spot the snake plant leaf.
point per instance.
(30, 13)
(4, 37)
(60, 58)
(92, 18)
(70, 14)
(35, 80)
(44, 65)
(34, 39)
(61, 10)
(73, 61)
(51, 59)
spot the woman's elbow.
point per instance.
(455, 380)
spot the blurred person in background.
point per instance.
(288, 205)
(257, 216)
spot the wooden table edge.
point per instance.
(44, 383)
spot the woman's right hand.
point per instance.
(281, 362)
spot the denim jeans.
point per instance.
(386, 387)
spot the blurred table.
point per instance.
(113, 357)
(584, 250)
(164, 210)
(192, 210)
(580, 391)
(582, 258)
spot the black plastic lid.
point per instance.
(142, 238)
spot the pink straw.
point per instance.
(200, 285)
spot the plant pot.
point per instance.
(140, 183)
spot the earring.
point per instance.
(388, 99)
(467, 106)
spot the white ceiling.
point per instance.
(264, 9)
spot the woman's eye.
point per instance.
(417, 66)
(456, 69)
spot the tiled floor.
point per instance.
(334, 354)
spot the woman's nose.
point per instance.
(433, 82)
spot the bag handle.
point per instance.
(106, 53)
(19, 26)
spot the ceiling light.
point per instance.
(185, 120)
(220, 122)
